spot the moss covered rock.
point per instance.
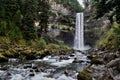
(96, 61)
(84, 75)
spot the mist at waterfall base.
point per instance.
(79, 33)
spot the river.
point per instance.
(51, 67)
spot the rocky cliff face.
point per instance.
(61, 23)
(94, 28)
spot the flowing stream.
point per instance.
(57, 67)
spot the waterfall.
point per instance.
(79, 32)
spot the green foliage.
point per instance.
(60, 42)
(1, 56)
(14, 33)
(22, 57)
(64, 47)
(42, 43)
(111, 8)
(3, 28)
(62, 27)
(65, 27)
(112, 38)
(17, 18)
(107, 6)
(43, 15)
(52, 46)
(29, 12)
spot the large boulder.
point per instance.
(84, 75)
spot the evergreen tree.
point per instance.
(29, 13)
(107, 6)
(43, 16)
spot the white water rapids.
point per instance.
(52, 68)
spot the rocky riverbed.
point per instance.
(51, 67)
(105, 65)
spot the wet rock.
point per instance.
(38, 57)
(28, 65)
(8, 74)
(66, 72)
(42, 69)
(13, 60)
(117, 77)
(72, 55)
(4, 68)
(75, 60)
(31, 73)
(90, 57)
(64, 58)
(34, 67)
(80, 61)
(109, 56)
(37, 70)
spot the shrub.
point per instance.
(42, 43)
(112, 38)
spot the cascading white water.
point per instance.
(79, 32)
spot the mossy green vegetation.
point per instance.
(42, 43)
(1, 56)
(29, 50)
(17, 18)
(62, 27)
(84, 75)
(112, 38)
